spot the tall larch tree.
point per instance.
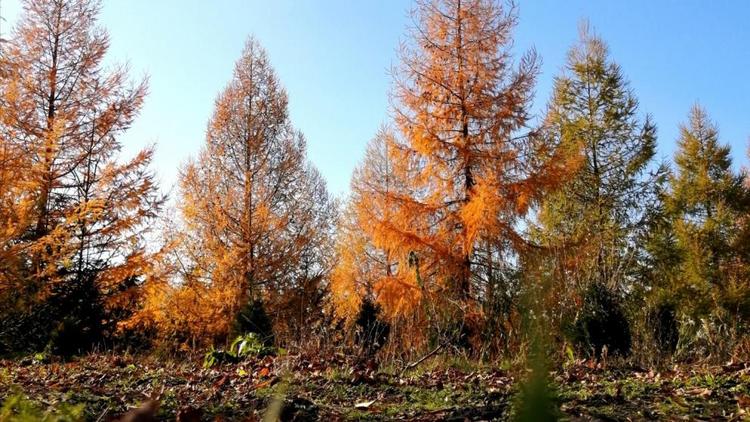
(590, 228)
(596, 215)
(257, 215)
(461, 109)
(66, 111)
(707, 204)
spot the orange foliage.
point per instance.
(256, 216)
(364, 270)
(460, 105)
(16, 206)
(442, 197)
(63, 112)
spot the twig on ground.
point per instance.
(104, 413)
(422, 359)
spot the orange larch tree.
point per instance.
(257, 216)
(364, 271)
(464, 146)
(356, 267)
(66, 112)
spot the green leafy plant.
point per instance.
(249, 344)
(213, 357)
(244, 346)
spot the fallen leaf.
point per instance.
(700, 392)
(364, 404)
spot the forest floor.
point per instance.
(303, 388)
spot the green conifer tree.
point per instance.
(590, 226)
(707, 206)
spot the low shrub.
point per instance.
(371, 331)
(602, 323)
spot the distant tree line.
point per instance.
(467, 218)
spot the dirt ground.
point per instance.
(104, 387)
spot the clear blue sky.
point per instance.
(333, 56)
